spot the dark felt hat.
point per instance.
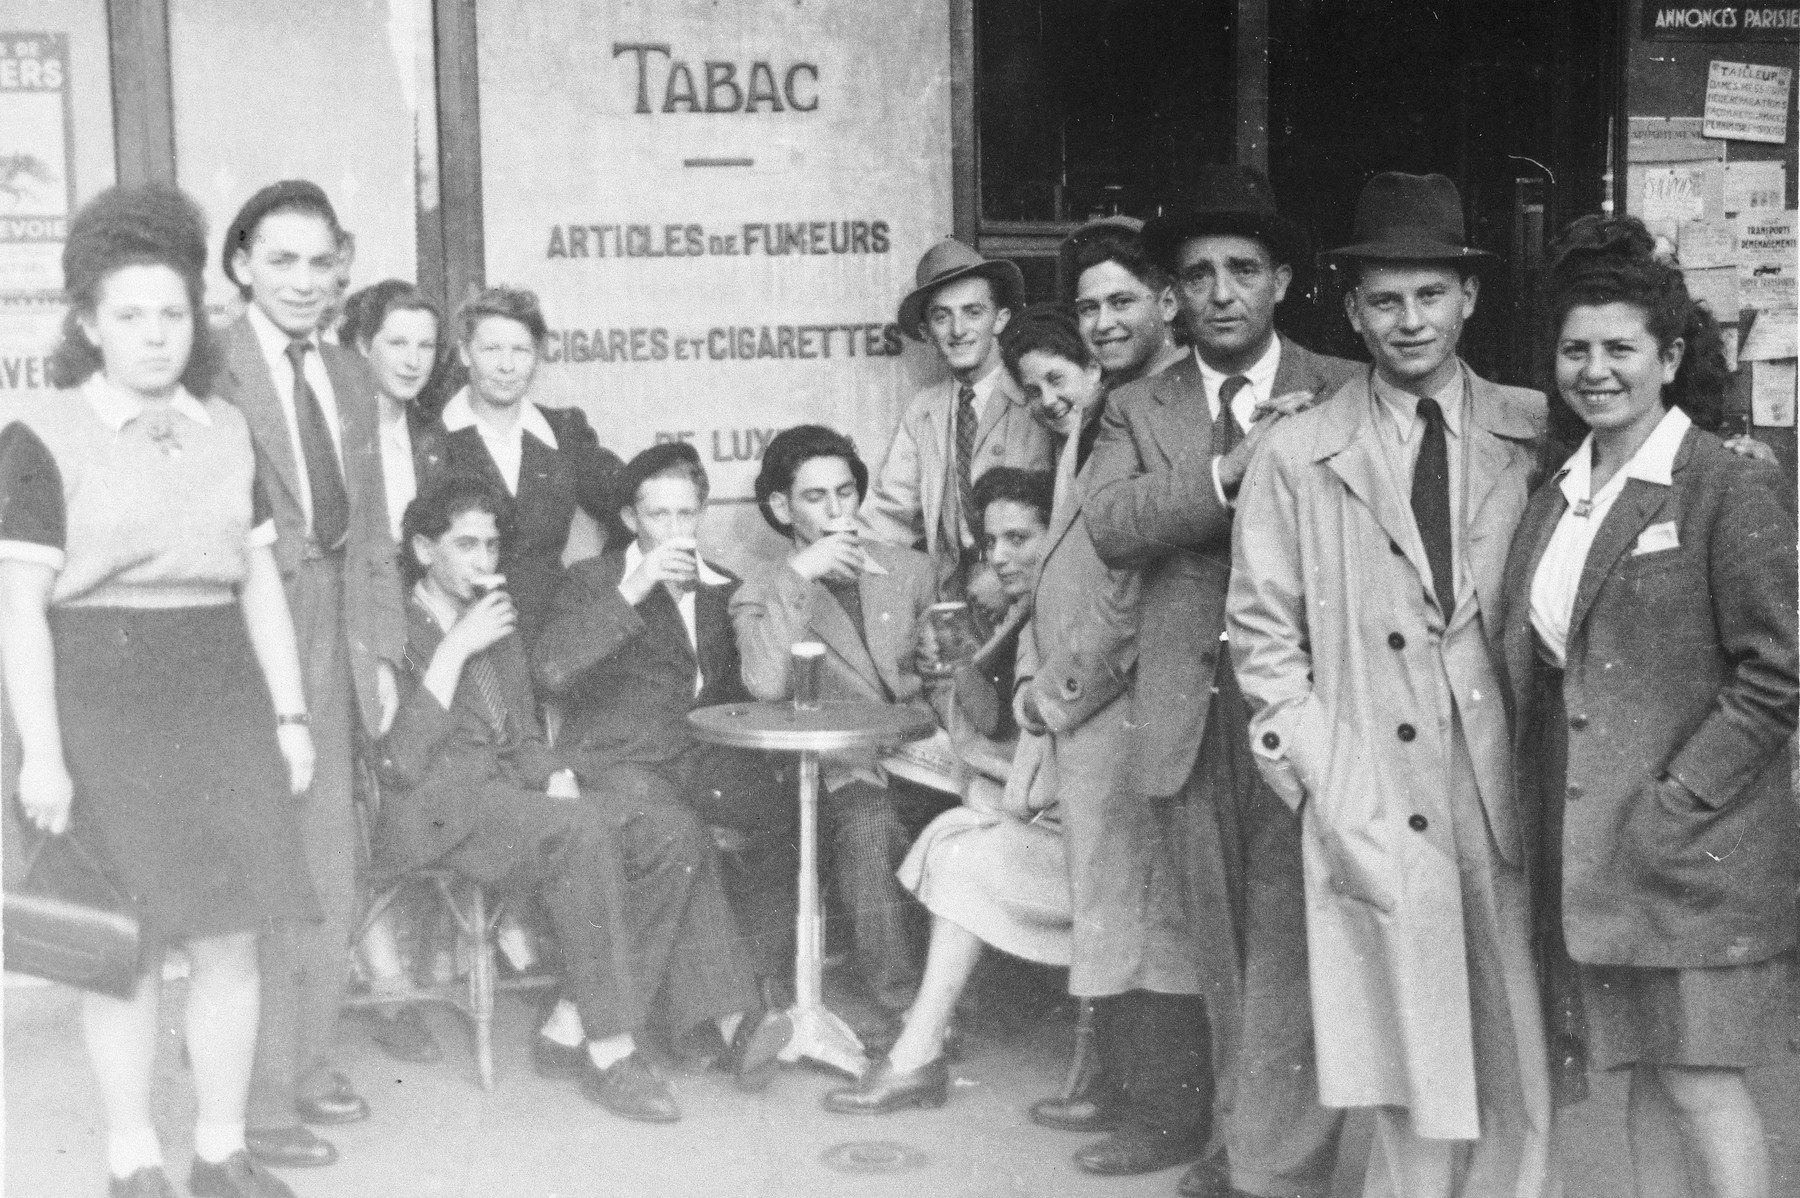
(1409, 218)
(1224, 198)
(946, 262)
(1107, 228)
(289, 193)
(651, 462)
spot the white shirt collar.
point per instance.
(1261, 373)
(1654, 462)
(271, 339)
(117, 407)
(634, 557)
(445, 615)
(1403, 406)
(459, 413)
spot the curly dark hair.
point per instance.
(1035, 489)
(366, 310)
(792, 448)
(1049, 328)
(433, 512)
(1612, 260)
(1125, 248)
(151, 225)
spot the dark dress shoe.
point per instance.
(1139, 1150)
(750, 1057)
(326, 1110)
(238, 1177)
(882, 1089)
(402, 1031)
(289, 1148)
(551, 1059)
(1206, 1178)
(150, 1182)
(631, 1090)
(1099, 1109)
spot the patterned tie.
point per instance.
(1431, 505)
(1226, 432)
(965, 453)
(324, 478)
(480, 671)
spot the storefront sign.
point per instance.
(720, 208)
(37, 177)
(1747, 101)
(1721, 22)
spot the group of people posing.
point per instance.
(1356, 735)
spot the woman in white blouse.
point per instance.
(1649, 628)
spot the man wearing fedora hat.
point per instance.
(1375, 529)
(954, 431)
(1171, 451)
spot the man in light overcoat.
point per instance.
(1364, 599)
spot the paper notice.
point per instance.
(1670, 139)
(1771, 336)
(1747, 101)
(1674, 193)
(1729, 335)
(1705, 244)
(1768, 256)
(1718, 290)
(1772, 394)
(1753, 185)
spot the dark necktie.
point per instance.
(1226, 432)
(324, 479)
(1431, 505)
(488, 694)
(965, 453)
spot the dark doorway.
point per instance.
(1510, 98)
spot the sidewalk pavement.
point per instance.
(436, 1134)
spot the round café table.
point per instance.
(819, 1035)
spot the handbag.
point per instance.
(67, 920)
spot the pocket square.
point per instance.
(1656, 539)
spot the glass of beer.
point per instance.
(953, 628)
(809, 660)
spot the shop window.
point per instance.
(1095, 107)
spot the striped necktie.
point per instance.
(966, 421)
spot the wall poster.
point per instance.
(37, 197)
(720, 208)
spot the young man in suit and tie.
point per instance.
(862, 600)
(638, 637)
(311, 411)
(1364, 615)
(954, 431)
(1165, 472)
(472, 786)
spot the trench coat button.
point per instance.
(1396, 641)
(1394, 548)
(1406, 732)
(1574, 791)
(1418, 823)
(1578, 722)
(1271, 741)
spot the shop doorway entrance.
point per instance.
(1511, 99)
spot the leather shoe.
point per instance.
(1139, 1150)
(882, 1089)
(759, 1039)
(631, 1090)
(551, 1059)
(403, 1032)
(1099, 1109)
(289, 1148)
(337, 1102)
(237, 1177)
(148, 1182)
(1207, 1178)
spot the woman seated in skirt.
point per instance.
(1650, 646)
(990, 871)
(150, 662)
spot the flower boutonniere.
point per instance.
(159, 425)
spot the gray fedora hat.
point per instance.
(1409, 218)
(946, 262)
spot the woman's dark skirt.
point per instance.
(1622, 1015)
(169, 737)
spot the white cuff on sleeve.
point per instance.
(31, 551)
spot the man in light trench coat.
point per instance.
(1372, 534)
